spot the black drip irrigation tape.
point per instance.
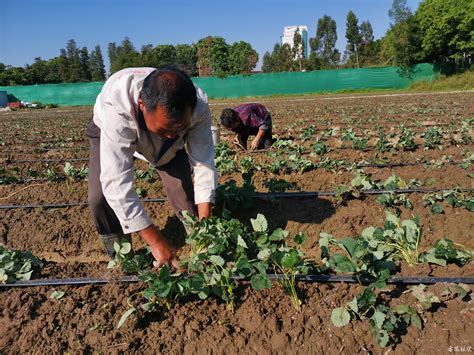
(259, 196)
(398, 280)
(32, 161)
(265, 196)
(362, 165)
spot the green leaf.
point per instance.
(378, 318)
(241, 242)
(112, 264)
(300, 238)
(416, 321)
(56, 295)
(339, 263)
(216, 259)
(264, 254)
(243, 268)
(125, 248)
(353, 305)
(278, 235)
(382, 338)
(148, 307)
(291, 259)
(381, 281)
(204, 293)
(391, 217)
(340, 316)
(349, 245)
(401, 308)
(436, 208)
(125, 316)
(260, 282)
(430, 257)
(368, 232)
(259, 224)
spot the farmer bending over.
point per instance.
(246, 120)
(159, 116)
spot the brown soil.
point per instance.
(85, 319)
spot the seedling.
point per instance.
(276, 166)
(74, 174)
(279, 185)
(16, 265)
(146, 175)
(384, 322)
(406, 139)
(131, 262)
(446, 251)
(308, 133)
(222, 158)
(231, 198)
(432, 138)
(319, 148)
(395, 201)
(382, 145)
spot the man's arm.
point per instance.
(201, 158)
(204, 210)
(162, 250)
(258, 138)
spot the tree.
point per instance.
(74, 64)
(267, 63)
(401, 44)
(353, 39)
(297, 50)
(242, 58)
(37, 72)
(281, 59)
(323, 47)
(146, 56)
(212, 56)
(186, 58)
(204, 56)
(112, 52)
(284, 58)
(447, 30)
(96, 65)
(399, 12)
(52, 72)
(123, 56)
(366, 50)
(163, 54)
(219, 52)
(84, 64)
(63, 65)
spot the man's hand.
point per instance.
(255, 143)
(237, 141)
(162, 250)
(256, 140)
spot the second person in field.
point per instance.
(246, 120)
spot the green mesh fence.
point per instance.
(245, 86)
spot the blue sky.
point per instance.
(39, 28)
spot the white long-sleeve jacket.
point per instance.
(124, 135)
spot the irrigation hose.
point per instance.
(361, 165)
(258, 196)
(398, 280)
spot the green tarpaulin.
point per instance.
(244, 85)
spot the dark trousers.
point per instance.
(175, 177)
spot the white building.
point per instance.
(289, 33)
